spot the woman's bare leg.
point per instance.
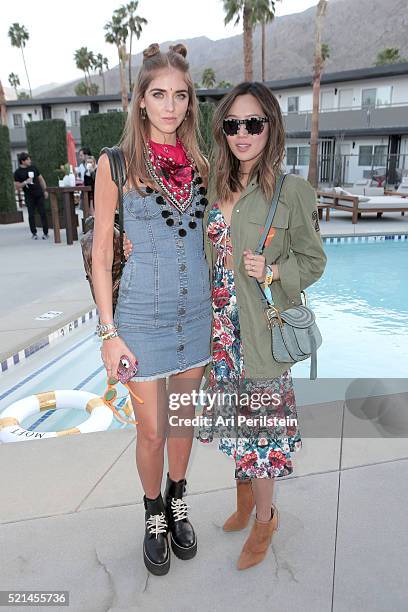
(151, 420)
(180, 439)
(263, 493)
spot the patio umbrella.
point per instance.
(71, 150)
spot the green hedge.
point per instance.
(47, 147)
(100, 130)
(7, 194)
(205, 121)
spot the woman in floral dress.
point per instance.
(250, 137)
(265, 452)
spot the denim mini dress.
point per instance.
(163, 313)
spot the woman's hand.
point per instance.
(111, 352)
(255, 265)
(127, 246)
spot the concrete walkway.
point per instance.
(37, 276)
(72, 519)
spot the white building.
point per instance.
(363, 124)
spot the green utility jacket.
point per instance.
(296, 248)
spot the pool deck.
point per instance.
(72, 515)
(72, 519)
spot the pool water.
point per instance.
(361, 306)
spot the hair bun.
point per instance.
(151, 50)
(179, 48)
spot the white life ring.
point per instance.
(11, 431)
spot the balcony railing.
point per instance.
(391, 116)
(18, 135)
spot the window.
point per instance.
(112, 110)
(326, 100)
(380, 155)
(346, 98)
(365, 155)
(18, 120)
(75, 117)
(384, 95)
(368, 97)
(46, 111)
(293, 104)
(291, 156)
(304, 156)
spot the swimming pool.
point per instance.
(361, 305)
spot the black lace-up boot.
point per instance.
(183, 538)
(156, 552)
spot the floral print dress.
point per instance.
(260, 449)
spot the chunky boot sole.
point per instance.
(184, 553)
(158, 569)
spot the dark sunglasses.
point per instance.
(253, 125)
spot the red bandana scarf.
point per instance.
(173, 167)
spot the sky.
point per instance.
(57, 29)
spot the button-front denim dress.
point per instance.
(163, 312)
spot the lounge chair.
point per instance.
(339, 199)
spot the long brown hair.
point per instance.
(136, 132)
(269, 165)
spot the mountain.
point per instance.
(355, 31)
(37, 91)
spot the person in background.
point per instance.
(28, 178)
(82, 157)
(89, 179)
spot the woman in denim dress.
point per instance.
(163, 314)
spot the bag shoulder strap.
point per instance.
(268, 223)
(271, 214)
(117, 164)
(119, 175)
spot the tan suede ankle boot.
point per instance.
(245, 504)
(258, 542)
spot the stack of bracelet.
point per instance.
(106, 331)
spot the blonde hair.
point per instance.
(269, 165)
(136, 131)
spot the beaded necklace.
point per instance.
(175, 174)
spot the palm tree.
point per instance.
(100, 63)
(135, 25)
(264, 12)
(235, 9)
(19, 35)
(81, 89)
(14, 81)
(208, 78)
(85, 61)
(389, 55)
(116, 34)
(320, 55)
